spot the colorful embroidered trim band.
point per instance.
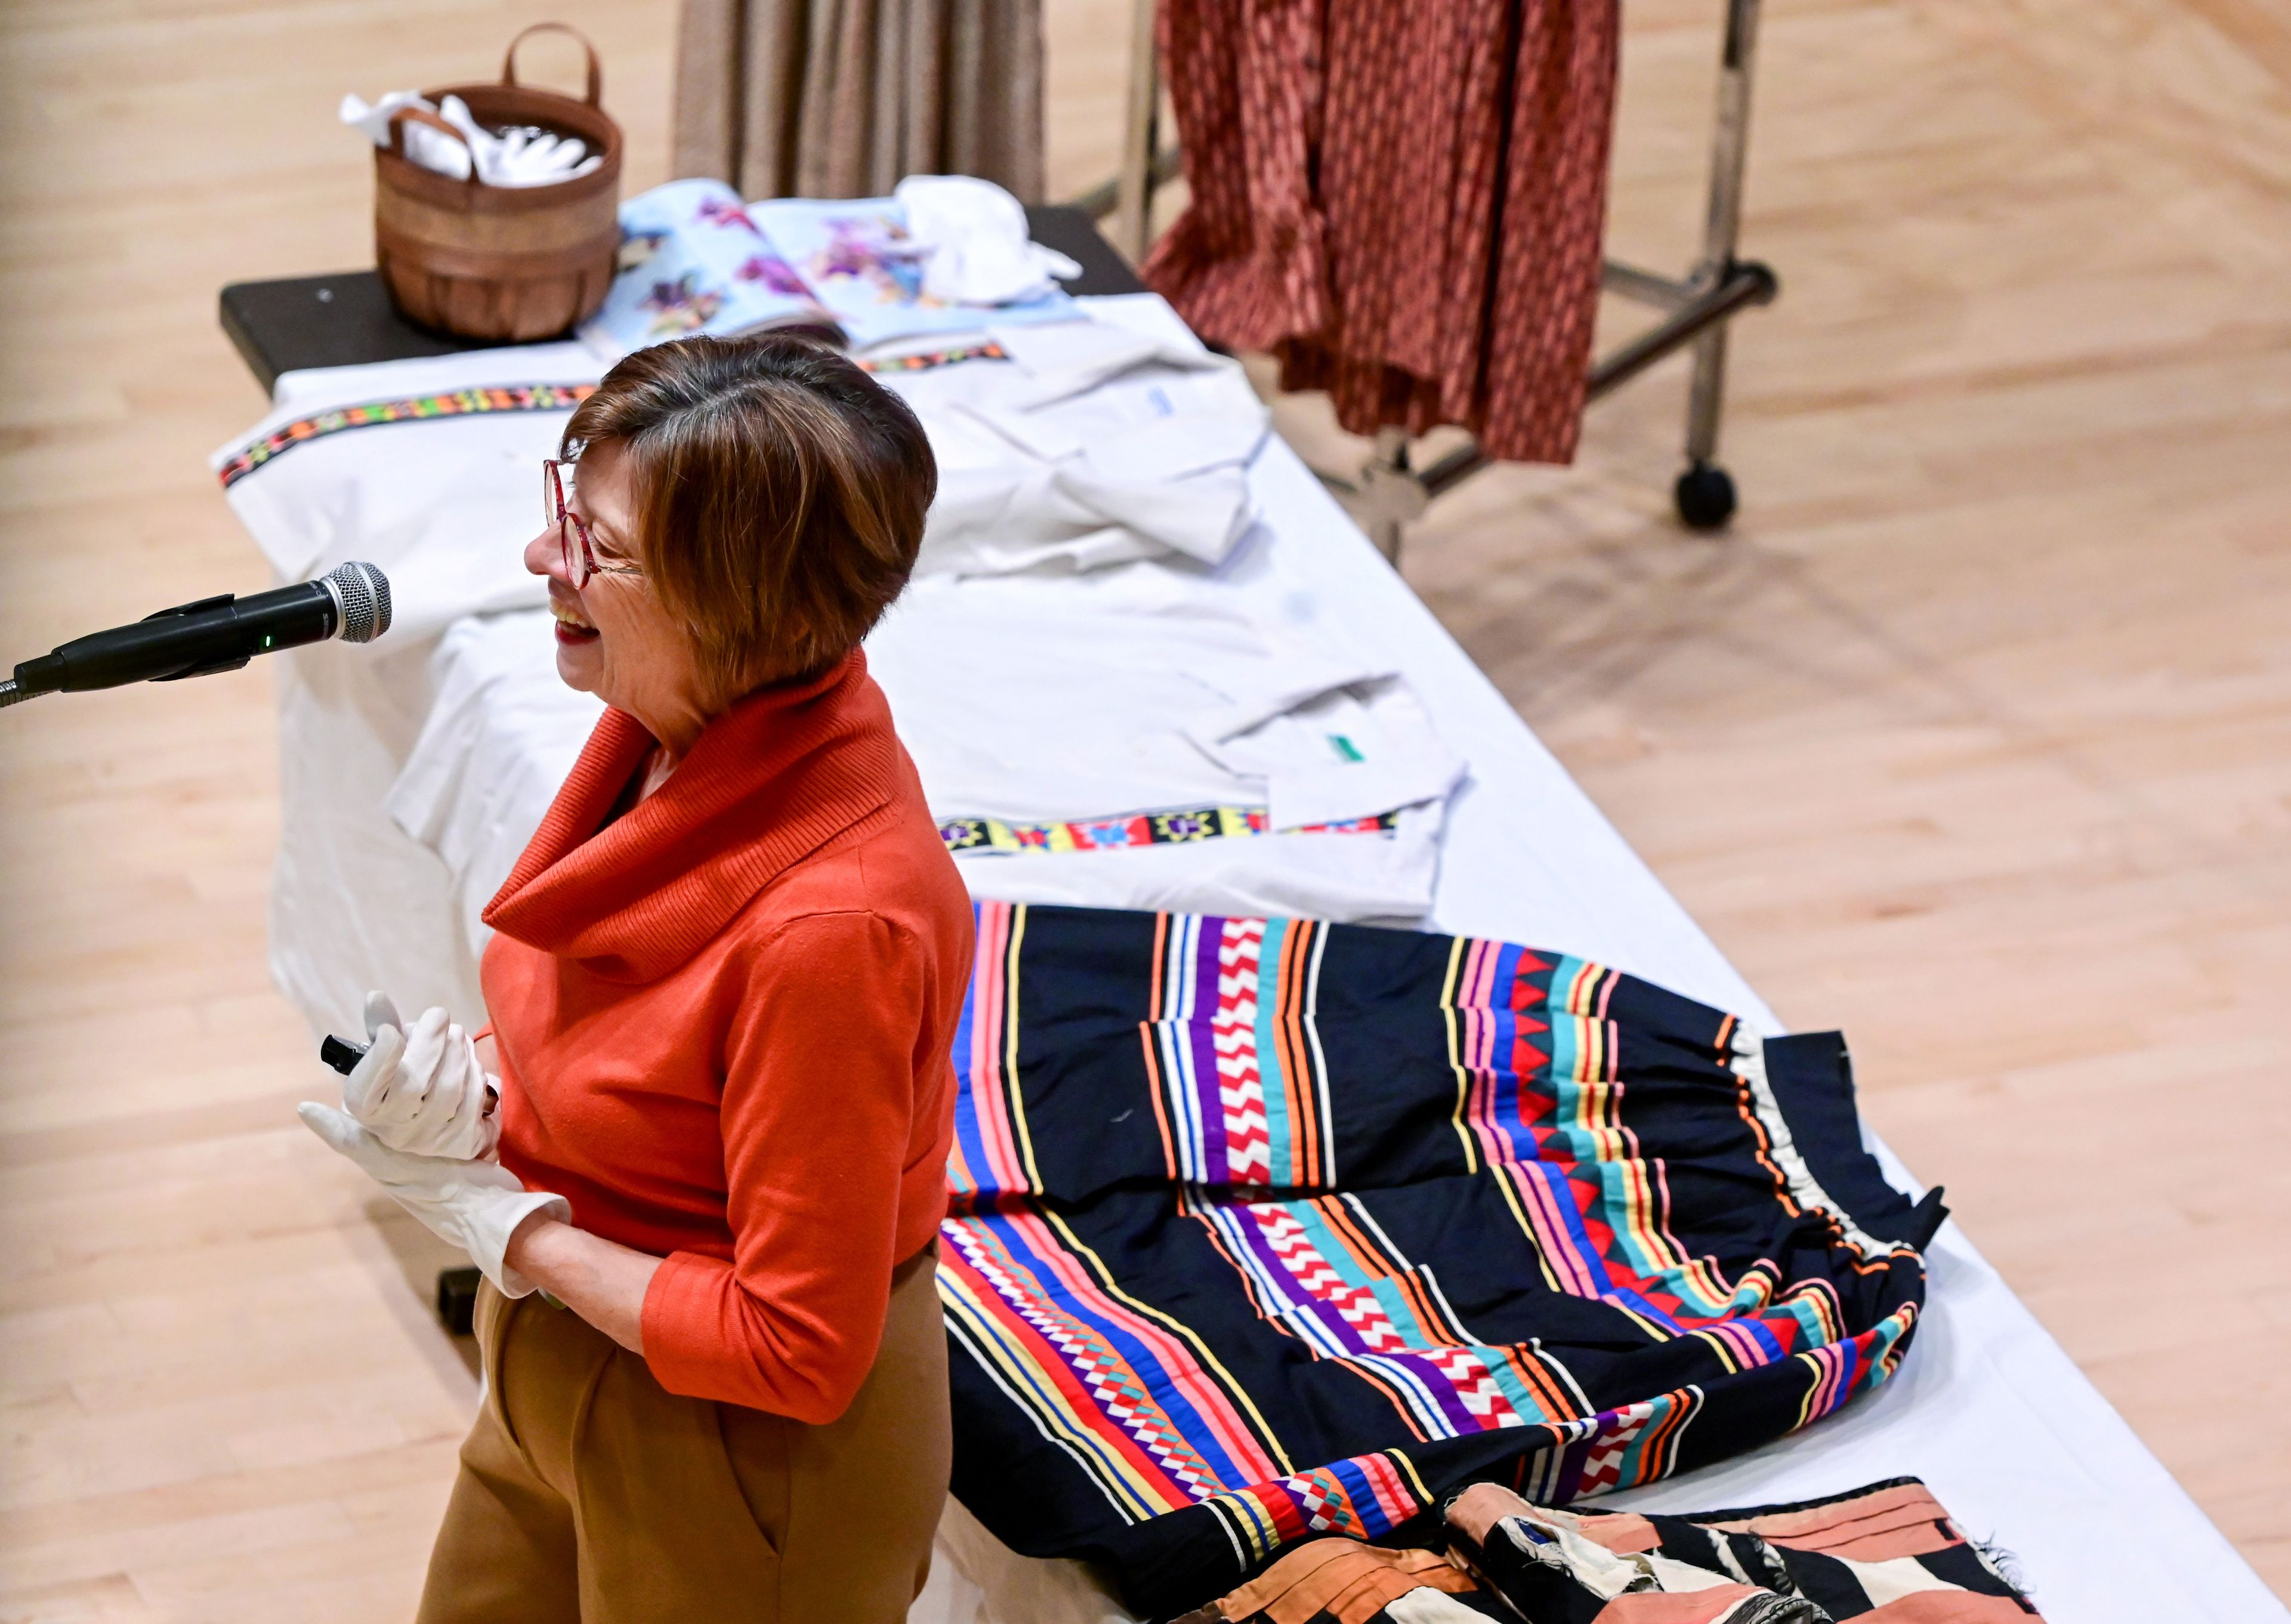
(454, 403)
(924, 360)
(1146, 829)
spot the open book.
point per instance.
(695, 258)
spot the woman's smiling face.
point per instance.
(614, 638)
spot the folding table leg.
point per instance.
(1705, 492)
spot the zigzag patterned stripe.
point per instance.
(1467, 1388)
(1233, 1038)
(412, 408)
(1141, 1379)
(1487, 1039)
(1232, 1054)
(1075, 1382)
(984, 1327)
(1636, 1443)
(1370, 1309)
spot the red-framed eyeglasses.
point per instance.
(581, 565)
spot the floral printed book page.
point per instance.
(697, 259)
(693, 261)
(857, 258)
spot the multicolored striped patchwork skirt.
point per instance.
(1265, 1229)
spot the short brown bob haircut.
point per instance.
(778, 495)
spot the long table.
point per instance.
(1987, 1410)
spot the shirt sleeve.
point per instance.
(817, 1115)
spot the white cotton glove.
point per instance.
(474, 1205)
(514, 158)
(517, 157)
(420, 1088)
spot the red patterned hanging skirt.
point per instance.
(1404, 202)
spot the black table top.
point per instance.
(347, 320)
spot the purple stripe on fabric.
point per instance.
(1201, 1034)
(1443, 1388)
(1033, 1283)
(1260, 1246)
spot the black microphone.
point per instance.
(214, 634)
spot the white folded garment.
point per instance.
(1070, 710)
(975, 243)
(1064, 358)
(1136, 690)
(1092, 446)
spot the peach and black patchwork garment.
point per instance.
(1887, 1553)
(1884, 1555)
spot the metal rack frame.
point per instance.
(1697, 308)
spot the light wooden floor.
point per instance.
(1975, 739)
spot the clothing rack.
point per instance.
(1697, 308)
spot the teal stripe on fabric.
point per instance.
(1809, 1321)
(1566, 1093)
(1615, 1212)
(1636, 1468)
(1563, 976)
(1883, 1335)
(1394, 1300)
(1516, 1391)
(1279, 1129)
(1330, 1245)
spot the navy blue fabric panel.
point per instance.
(1812, 1079)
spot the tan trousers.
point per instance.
(591, 1495)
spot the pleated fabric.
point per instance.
(1262, 1229)
(1403, 204)
(846, 98)
(1887, 1553)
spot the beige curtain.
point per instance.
(846, 98)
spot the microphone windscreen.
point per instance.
(365, 594)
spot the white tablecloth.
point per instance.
(1987, 1409)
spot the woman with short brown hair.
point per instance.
(724, 989)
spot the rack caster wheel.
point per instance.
(457, 1299)
(1705, 496)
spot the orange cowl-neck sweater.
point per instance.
(725, 1022)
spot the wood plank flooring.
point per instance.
(1974, 739)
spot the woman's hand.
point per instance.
(601, 1281)
(421, 1088)
(478, 1206)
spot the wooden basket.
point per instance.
(501, 262)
